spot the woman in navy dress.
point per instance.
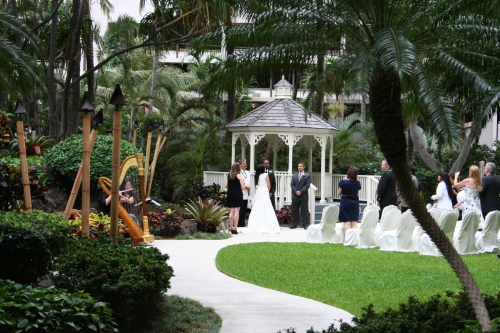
(349, 200)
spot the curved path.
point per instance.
(243, 307)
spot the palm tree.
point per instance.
(395, 47)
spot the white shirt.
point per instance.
(246, 178)
(443, 200)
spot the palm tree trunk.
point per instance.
(231, 94)
(51, 87)
(89, 54)
(459, 162)
(385, 93)
(320, 94)
(411, 150)
(428, 159)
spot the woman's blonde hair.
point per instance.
(475, 174)
(235, 170)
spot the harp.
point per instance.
(132, 185)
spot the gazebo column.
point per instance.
(331, 156)
(233, 147)
(244, 142)
(322, 142)
(275, 150)
(310, 146)
(254, 139)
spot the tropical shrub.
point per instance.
(11, 185)
(207, 214)
(284, 215)
(34, 144)
(64, 158)
(30, 309)
(131, 278)
(199, 190)
(167, 223)
(28, 243)
(99, 226)
(439, 314)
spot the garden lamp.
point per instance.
(22, 155)
(86, 107)
(117, 100)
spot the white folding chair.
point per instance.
(324, 232)
(487, 239)
(415, 239)
(363, 236)
(368, 207)
(389, 221)
(399, 240)
(464, 241)
(447, 223)
(428, 206)
(435, 213)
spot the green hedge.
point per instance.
(29, 309)
(64, 158)
(131, 278)
(28, 243)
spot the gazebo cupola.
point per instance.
(283, 89)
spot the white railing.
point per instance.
(368, 191)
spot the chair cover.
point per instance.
(435, 213)
(389, 221)
(447, 223)
(464, 241)
(363, 236)
(339, 231)
(428, 206)
(487, 239)
(415, 239)
(368, 207)
(324, 232)
(399, 240)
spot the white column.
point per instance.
(331, 155)
(322, 143)
(275, 150)
(310, 146)
(290, 155)
(252, 152)
(233, 148)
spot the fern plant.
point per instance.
(207, 214)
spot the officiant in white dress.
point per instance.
(262, 218)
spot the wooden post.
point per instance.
(153, 165)
(134, 137)
(86, 175)
(145, 223)
(115, 175)
(148, 152)
(24, 166)
(78, 180)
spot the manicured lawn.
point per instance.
(349, 278)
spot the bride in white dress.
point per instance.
(262, 218)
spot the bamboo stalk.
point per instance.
(78, 180)
(86, 175)
(145, 223)
(115, 176)
(24, 166)
(148, 152)
(134, 137)
(153, 164)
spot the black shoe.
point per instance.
(305, 228)
(293, 227)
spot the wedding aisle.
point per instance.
(243, 307)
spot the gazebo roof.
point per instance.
(281, 113)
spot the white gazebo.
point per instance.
(285, 121)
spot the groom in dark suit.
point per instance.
(272, 180)
(300, 197)
(491, 189)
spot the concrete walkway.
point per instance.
(243, 307)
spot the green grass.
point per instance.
(350, 278)
(180, 314)
(204, 235)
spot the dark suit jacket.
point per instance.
(489, 194)
(272, 180)
(302, 186)
(386, 190)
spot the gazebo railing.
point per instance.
(367, 194)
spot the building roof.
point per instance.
(281, 113)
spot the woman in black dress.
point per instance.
(349, 200)
(235, 186)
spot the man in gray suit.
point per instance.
(491, 189)
(300, 197)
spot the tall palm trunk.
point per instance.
(385, 94)
(51, 86)
(320, 94)
(231, 94)
(89, 54)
